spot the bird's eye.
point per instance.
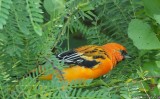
(123, 52)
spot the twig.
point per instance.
(54, 67)
(145, 91)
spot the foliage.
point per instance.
(31, 31)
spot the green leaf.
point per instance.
(143, 86)
(38, 29)
(152, 7)
(157, 18)
(142, 35)
(1, 26)
(3, 37)
(54, 6)
(153, 68)
(125, 96)
(4, 11)
(85, 6)
(158, 86)
(158, 63)
(155, 92)
(35, 16)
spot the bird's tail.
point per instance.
(55, 73)
(46, 77)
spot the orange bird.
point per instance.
(90, 61)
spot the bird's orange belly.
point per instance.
(82, 73)
(78, 72)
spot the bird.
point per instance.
(89, 61)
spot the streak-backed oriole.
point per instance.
(90, 61)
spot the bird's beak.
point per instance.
(127, 56)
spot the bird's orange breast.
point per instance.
(79, 72)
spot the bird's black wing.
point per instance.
(72, 57)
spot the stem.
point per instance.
(64, 28)
(68, 39)
(145, 91)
